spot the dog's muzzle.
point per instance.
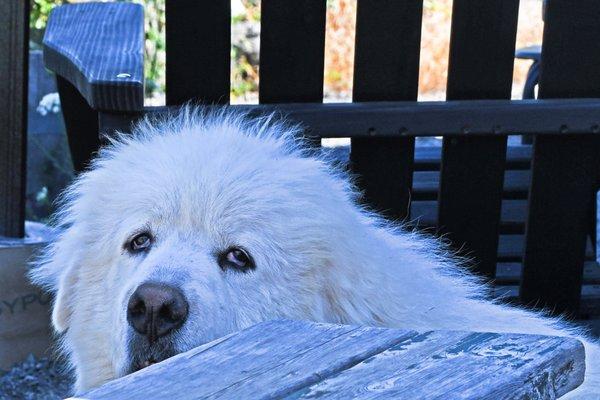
(156, 310)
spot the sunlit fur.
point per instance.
(205, 181)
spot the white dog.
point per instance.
(206, 223)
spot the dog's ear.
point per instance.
(62, 308)
(56, 271)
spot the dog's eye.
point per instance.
(140, 242)
(236, 258)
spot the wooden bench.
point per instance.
(541, 219)
(304, 360)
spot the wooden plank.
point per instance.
(14, 47)
(308, 367)
(510, 273)
(426, 183)
(268, 360)
(514, 213)
(434, 118)
(285, 358)
(292, 53)
(81, 124)
(445, 118)
(565, 168)
(512, 218)
(98, 48)
(386, 68)
(564, 175)
(386, 58)
(482, 47)
(427, 158)
(511, 247)
(589, 306)
(462, 365)
(198, 34)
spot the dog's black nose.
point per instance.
(156, 309)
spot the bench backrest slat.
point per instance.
(292, 51)
(565, 168)
(482, 45)
(386, 69)
(198, 35)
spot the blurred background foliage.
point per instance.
(38, 17)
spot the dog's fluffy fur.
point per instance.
(201, 182)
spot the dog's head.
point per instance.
(192, 229)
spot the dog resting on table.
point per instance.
(205, 223)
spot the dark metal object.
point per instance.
(533, 76)
(533, 53)
(14, 56)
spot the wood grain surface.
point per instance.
(299, 359)
(98, 47)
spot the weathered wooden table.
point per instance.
(297, 359)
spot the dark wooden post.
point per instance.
(198, 34)
(14, 43)
(482, 47)
(565, 168)
(386, 68)
(292, 53)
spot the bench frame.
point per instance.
(101, 88)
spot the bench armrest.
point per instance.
(99, 48)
